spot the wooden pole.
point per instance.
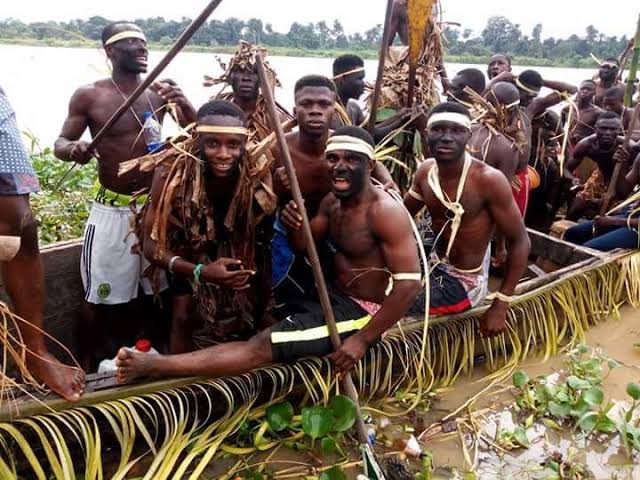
(377, 88)
(611, 191)
(418, 15)
(633, 68)
(318, 275)
(149, 79)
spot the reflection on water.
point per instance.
(41, 80)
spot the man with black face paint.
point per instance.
(315, 98)
(607, 79)
(111, 273)
(601, 147)
(224, 265)
(467, 200)
(376, 278)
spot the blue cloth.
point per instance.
(282, 256)
(621, 237)
(17, 176)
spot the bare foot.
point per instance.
(65, 380)
(132, 365)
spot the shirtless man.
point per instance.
(600, 147)
(110, 272)
(502, 150)
(613, 101)
(467, 200)
(469, 77)
(617, 230)
(399, 22)
(533, 107)
(242, 77)
(314, 109)
(370, 232)
(348, 76)
(583, 123)
(607, 79)
(497, 64)
(499, 151)
(22, 274)
(315, 98)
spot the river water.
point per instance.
(39, 81)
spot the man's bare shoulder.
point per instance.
(328, 203)
(585, 145)
(424, 167)
(487, 176)
(89, 93)
(385, 211)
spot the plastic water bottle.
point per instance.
(142, 346)
(152, 132)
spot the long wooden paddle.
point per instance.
(384, 46)
(327, 310)
(182, 40)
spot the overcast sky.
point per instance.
(560, 18)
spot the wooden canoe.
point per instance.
(553, 263)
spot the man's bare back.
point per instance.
(495, 150)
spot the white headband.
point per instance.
(126, 34)
(344, 74)
(522, 86)
(352, 144)
(457, 118)
(218, 129)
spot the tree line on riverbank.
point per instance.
(499, 35)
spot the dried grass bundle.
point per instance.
(184, 220)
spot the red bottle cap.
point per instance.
(143, 345)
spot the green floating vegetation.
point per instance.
(577, 402)
(61, 210)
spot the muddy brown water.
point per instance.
(604, 457)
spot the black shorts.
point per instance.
(302, 332)
(447, 295)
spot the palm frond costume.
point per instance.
(245, 58)
(189, 224)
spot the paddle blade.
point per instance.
(371, 468)
(418, 13)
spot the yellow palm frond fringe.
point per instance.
(177, 433)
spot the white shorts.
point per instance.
(111, 274)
